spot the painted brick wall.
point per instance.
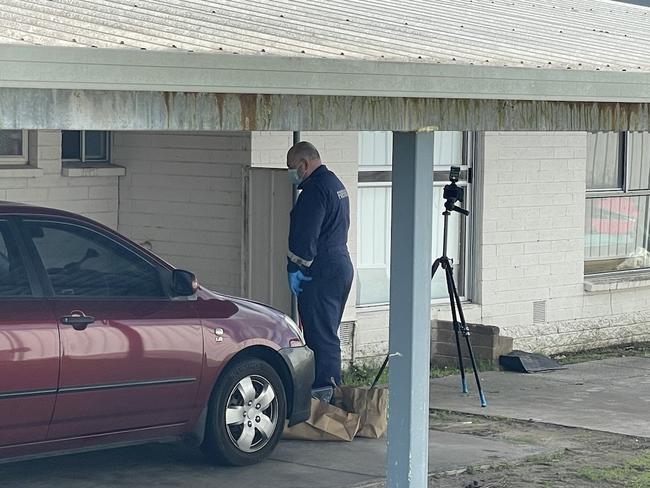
(533, 249)
(182, 198)
(93, 196)
(269, 149)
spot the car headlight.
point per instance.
(294, 328)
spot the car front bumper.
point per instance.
(300, 362)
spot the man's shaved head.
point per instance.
(302, 151)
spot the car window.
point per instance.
(83, 263)
(14, 281)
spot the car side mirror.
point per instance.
(184, 283)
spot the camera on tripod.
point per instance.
(454, 193)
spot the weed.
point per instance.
(628, 350)
(634, 473)
(361, 375)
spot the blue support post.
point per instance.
(410, 310)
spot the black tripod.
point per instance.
(452, 194)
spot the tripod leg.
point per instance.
(446, 265)
(465, 331)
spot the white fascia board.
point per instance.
(122, 69)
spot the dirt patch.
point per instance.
(579, 457)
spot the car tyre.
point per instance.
(246, 414)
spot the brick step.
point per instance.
(486, 341)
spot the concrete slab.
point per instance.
(611, 395)
(294, 464)
(447, 451)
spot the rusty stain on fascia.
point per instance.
(131, 110)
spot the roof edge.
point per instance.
(127, 70)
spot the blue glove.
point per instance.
(294, 281)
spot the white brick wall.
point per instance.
(269, 149)
(182, 198)
(95, 197)
(533, 213)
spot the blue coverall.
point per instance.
(318, 236)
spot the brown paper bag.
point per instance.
(326, 423)
(370, 404)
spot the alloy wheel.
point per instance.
(251, 413)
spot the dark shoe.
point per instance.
(324, 393)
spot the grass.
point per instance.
(482, 365)
(634, 473)
(640, 349)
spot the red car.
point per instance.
(103, 343)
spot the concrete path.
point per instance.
(294, 464)
(611, 395)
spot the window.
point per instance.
(374, 212)
(617, 216)
(13, 146)
(83, 263)
(14, 281)
(86, 146)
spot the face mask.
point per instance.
(294, 177)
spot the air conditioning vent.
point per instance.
(346, 334)
(539, 312)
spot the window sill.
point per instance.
(20, 171)
(624, 281)
(78, 170)
(438, 304)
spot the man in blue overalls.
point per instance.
(319, 265)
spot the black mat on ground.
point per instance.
(528, 362)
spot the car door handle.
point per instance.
(78, 322)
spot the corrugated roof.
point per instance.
(560, 34)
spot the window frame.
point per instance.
(164, 272)
(22, 159)
(82, 150)
(623, 158)
(381, 177)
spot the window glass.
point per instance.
(81, 262)
(375, 149)
(604, 164)
(638, 148)
(616, 235)
(447, 148)
(13, 276)
(84, 145)
(617, 224)
(11, 142)
(71, 144)
(373, 240)
(95, 145)
(374, 214)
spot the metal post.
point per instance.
(410, 310)
(294, 197)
